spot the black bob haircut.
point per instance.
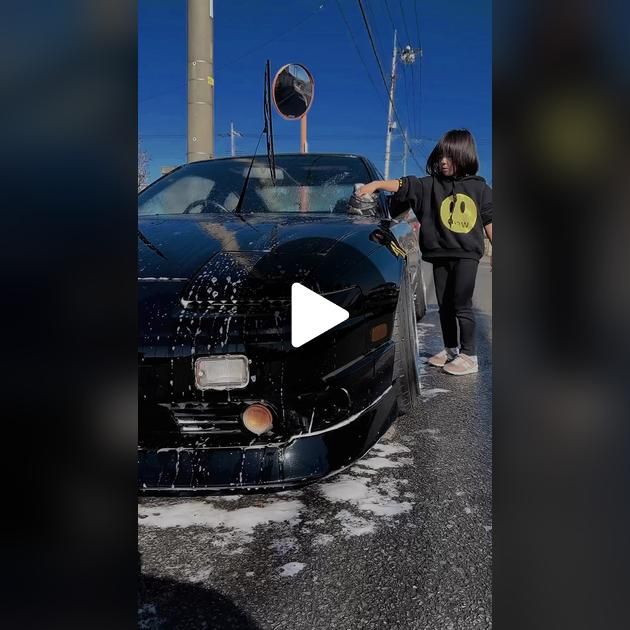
(459, 145)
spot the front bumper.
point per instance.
(300, 460)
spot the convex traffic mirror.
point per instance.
(293, 90)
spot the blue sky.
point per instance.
(450, 87)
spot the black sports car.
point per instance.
(226, 402)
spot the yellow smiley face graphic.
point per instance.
(459, 214)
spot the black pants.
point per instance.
(454, 286)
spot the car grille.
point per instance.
(204, 419)
(240, 307)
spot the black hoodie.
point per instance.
(452, 212)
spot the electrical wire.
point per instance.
(409, 127)
(383, 51)
(272, 39)
(416, 109)
(415, 8)
(248, 52)
(380, 67)
(411, 113)
(354, 41)
(389, 13)
(404, 21)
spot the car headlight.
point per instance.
(227, 371)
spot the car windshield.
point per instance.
(304, 183)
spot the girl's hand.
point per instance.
(368, 189)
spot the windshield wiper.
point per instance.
(241, 197)
(271, 154)
(149, 244)
(270, 157)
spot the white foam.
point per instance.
(390, 449)
(291, 568)
(322, 539)
(240, 522)
(354, 525)
(345, 488)
(363, 471)
(378, 499)
(377, 463)
(428, 394)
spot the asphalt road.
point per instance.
(403, 539)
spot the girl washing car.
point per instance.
(454, 207)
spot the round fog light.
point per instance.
(257, 419)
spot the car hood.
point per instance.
(279, 247)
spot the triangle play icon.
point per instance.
(312, 315)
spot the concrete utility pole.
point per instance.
(200, 80)
(407, 56)
(232, 142)
(391, 125)
(232, 134)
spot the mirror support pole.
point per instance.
(303, 141)
(303, 149)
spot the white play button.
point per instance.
(312, 315)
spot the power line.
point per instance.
(415, 8)
(411, 113)
(404, 22)
(274, 38)
(416, 111)
(380, 68)
(275, 135)
(382, 55)
(409, 126)
(359, 51)
(319, 136)
(389, 13)
(248, 52)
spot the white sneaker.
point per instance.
(462, 364)
(442, 358)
